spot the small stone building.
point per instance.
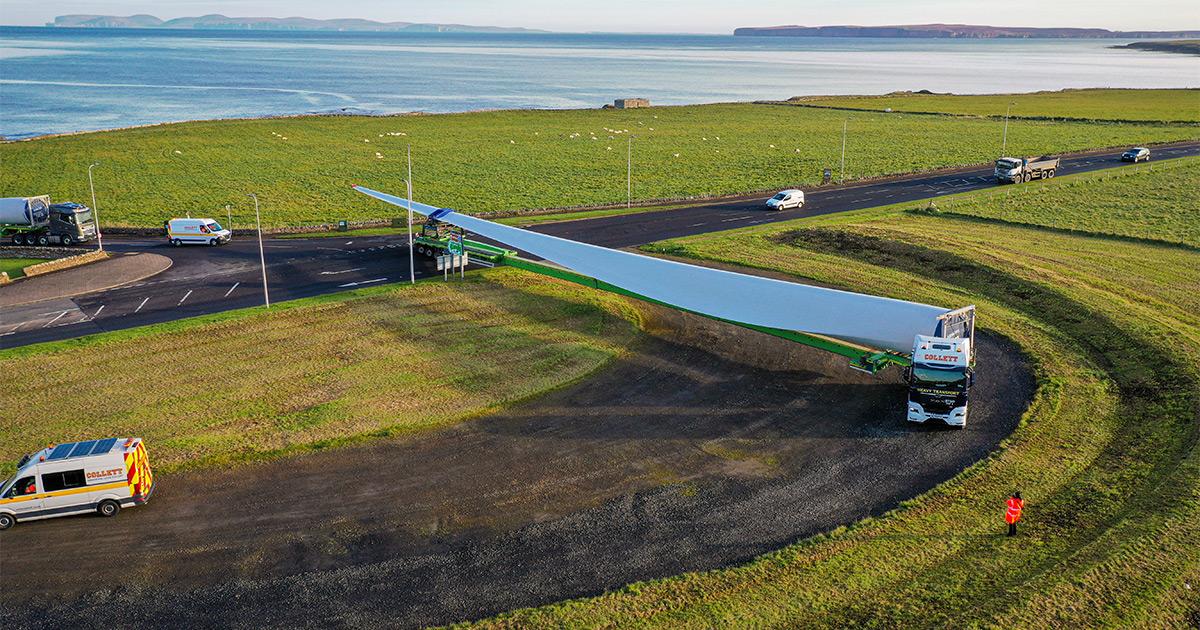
(631, 103)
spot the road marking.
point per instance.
(185, 296)
(60, 316)
(349, 242)
(696, 225)
(235, 285)
(355, 284)
(736, 218)
(141, 305)
(97, 313)
(332, 249)
(334, 273)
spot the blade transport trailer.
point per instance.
(933, 344)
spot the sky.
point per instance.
(654, 16)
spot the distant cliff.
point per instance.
(217, 21)
(1183, 46)
(967, 31)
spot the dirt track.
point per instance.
(695, 452)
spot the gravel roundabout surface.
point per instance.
(706, 445)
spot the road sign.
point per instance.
(455, 245)
(452, 261)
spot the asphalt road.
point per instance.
(208, 280)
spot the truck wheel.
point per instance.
(66, 239)
(1026, 178)
(43, 240)
(18, 239)
(6, 521)
(108, 508)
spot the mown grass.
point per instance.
(1105, 456)
(509, 160)
(315, 374)
(1158, 201)
(1091, 104)
(16, 266)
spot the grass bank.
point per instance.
(16, 266)
(1094, 104)
(1106, 455)
(301, 168)
(314, 374)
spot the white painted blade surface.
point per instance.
(868, 320)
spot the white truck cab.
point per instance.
(939, 380)
(95, 476)
(786, 199)
(198, 231)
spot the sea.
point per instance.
(57, 80)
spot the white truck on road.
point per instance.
(1017, 170)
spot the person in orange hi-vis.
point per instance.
(1013, 514)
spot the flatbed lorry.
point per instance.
(939, 371)
(1017, 170)
(35, 221)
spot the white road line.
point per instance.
(235, 285)
(332, 249)
(696, 225)
(97, 313)
(60, 316)
(141, 305)
(185, 296)
(349, 242)
(355, 284)
(334, 273)
(748, 216)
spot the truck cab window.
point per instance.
(24, 486)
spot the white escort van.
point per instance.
(200, 231)
(96, 476)
(786, 199)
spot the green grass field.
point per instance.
(1158, 201)
(1106, 455)
(1095, 104)
(314, 374)
(301, 168)
(16, 266)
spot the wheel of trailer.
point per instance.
(176, 242)
(66, 239)
(6, 521)
(108, 508)
(18, 239)
(43, 240)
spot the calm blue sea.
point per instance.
(62, 80)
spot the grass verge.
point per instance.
(16, 266)
(315, 373)
(1106, 455)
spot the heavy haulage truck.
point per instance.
(35, 221)
(934, 346)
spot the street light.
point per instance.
(412, 264)
(262, 257)
(1004, 145)
(95, 211)
(843, 175)
(229, 219)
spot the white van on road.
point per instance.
(786, 199)
(201, 231)
(96, 476)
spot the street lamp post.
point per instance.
(228, 219)
(412, 263)
(95, 211)
(629, 173)
(842, 178)
(1004, 144)
(262, 257)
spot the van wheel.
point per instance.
(212, 242)
(6, 521)
(108, 508)
(176, 242)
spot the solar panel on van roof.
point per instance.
(61, 451)
(82, 448)
(103, 446)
